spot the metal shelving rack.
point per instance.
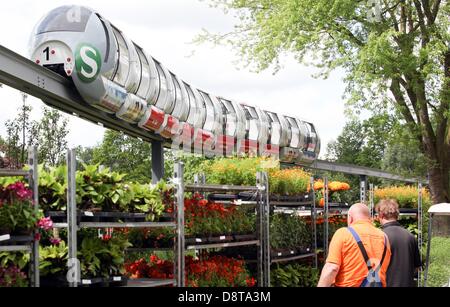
(33, 247)
(73, 226)
(261, 206)
(311, 203)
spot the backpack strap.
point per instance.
(361, 247)
(363, 250)
(384, 251)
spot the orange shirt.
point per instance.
(344, 251)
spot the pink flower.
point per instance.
(55, 241)
(24, 194)
(45, 223)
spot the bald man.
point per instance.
(345, 265)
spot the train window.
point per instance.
(230, 117)
(178, 96)
(252, 125)
(161, 101)
(193, 109)
(295, 132)
(275, 128)
(65, 18)
(210, 114)
(145, 75)
(123, 63)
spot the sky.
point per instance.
(166, 29)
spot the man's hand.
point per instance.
(329, 272)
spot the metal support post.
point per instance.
(74, 275)
(34, 183)
(180, 246)
(419, 226)
(427, 257)
(326, 207)
(363, 189)
(313, 221)
(264, 229)
(157, 161)
(371, 200)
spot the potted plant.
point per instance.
(17, 211)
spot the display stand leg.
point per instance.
(326, 216)
(74, 270)
(313, 221)
(180, 244)
(34, 183)
(419, 226)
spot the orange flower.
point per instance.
(322, 202)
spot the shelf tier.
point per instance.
(292, 258)
(222, 245)
(306, 204)
(127, 225)
(13, 173)
(148, 249)
(213, 187)
(148, 283)
(15, 248)
(60, 225)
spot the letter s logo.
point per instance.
(88, 63)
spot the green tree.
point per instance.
(85, 155)
(50, 136)
(396, 55)
(362, 142)
(125, 154)
(19, 135)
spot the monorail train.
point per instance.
(118, 77)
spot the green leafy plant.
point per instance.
(294, 275)
(102, 257)
(17, 211)
(19, 259)
(289, 231)
(52, 188)
(53, 260)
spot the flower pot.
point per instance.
(118, 281)
(54, 282)
(21, 232)
(220, 239)
(196, 240)
(246, 237)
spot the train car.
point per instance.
(117, 76)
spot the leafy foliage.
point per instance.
(102, 258)
(439, 270)
(396, 61)
(406, 196)
(53, 260)
(17, 212)
(294, 275)
(289, 232)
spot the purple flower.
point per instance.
(55, 241)
(45, 223)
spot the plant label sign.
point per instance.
(5, 238)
